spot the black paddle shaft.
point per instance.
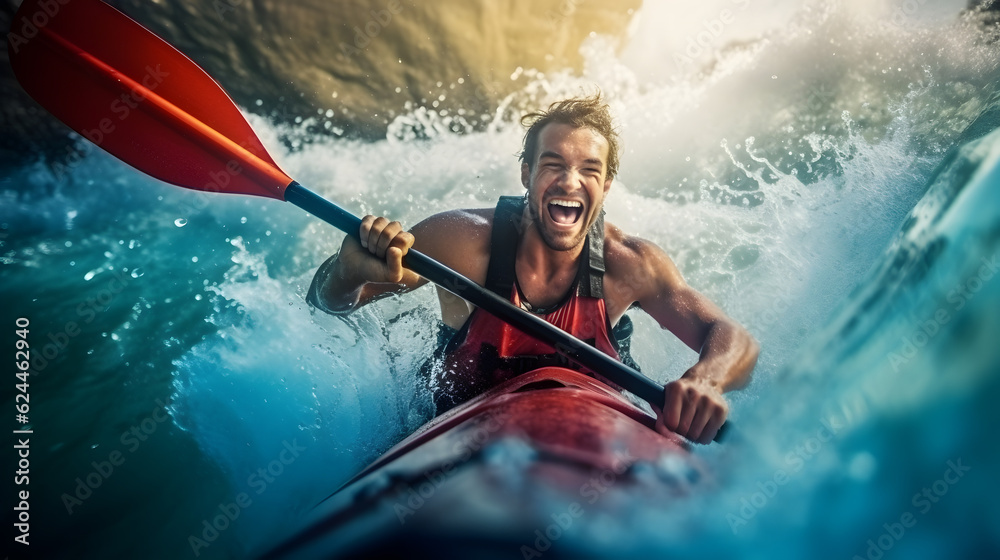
(564, 343)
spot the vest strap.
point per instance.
(592, 280)
(503, 245)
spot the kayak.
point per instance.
(515, 467)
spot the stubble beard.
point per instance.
(551, 240)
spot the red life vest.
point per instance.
(488, 351)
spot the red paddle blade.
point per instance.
(137, 97)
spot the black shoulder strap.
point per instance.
(503, 245)
(592, 276)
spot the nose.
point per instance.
(570, 178)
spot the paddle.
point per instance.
(138, 98)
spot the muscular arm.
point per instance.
(727, 352)
(363, 272)
(693, 405)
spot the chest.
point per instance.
(543, 291)
(617, 298)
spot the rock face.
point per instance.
(355, 60)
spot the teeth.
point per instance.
(566, 203)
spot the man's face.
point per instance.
(567, 184)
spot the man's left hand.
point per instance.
(692, 408)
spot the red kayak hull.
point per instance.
(544, 446)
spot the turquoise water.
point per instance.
(814, 172)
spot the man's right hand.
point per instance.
(378, 256)
(370, 266)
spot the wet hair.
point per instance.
(580, 112)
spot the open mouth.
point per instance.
(565, 212)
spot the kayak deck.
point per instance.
(486, 474)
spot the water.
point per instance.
(805, 167)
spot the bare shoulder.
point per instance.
(636, 266)
(460, 217)
(624, 252)
(453, 228)
(459, 239)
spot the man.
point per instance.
(550, 253)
